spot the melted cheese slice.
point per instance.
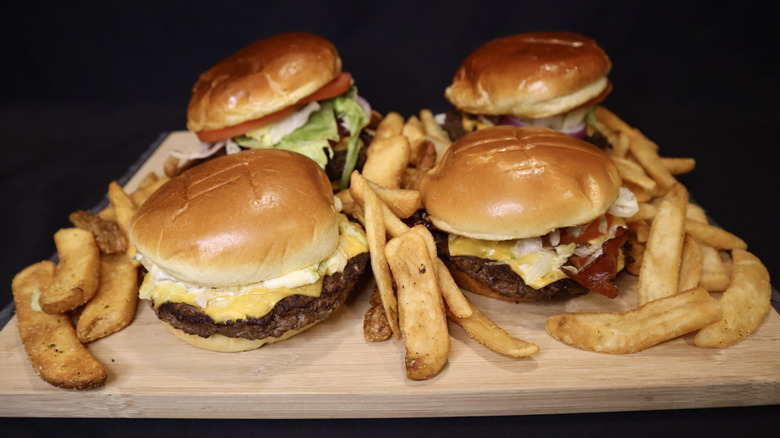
(256, 300)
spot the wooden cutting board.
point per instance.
(331, 372)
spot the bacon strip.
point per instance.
(598, 275)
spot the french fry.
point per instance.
(637, 329)
(646, 211)
(376, 328)
(387, 159)
(114, 304)
(108, 237)
(78, 272)
(678, 166)
(636, 254)
(375, 234)
(631, 171)
(434, 133)
(453, 296)
(713, 236)
(660, 270)
(402, 202)
(49, 340)
(125, 209)
(690, 265)
(483, 330)
(390, 126)
(421, 311)
(641, 194)
(714, 276)
(745, 303)
(140, 195)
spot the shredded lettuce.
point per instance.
(310, 130)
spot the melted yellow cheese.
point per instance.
(501, 251)
(256, 300)
(470, 124)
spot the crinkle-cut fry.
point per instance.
(485, 331)
(78, 271)
(745, 303)
(660, 270)
(49, 340)
(637, 329)
(114, 304)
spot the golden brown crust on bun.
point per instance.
(263, 78)
(224, 344)
(239, 219)
(505, 182)
(537, 74)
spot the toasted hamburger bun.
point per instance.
(263, 78)
(531, 75)
(238, 227)
(503, 184)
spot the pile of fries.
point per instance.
(90, 293)
(684, 285)
(415, 293)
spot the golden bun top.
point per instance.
(239, 219)
(537, 74)
(505, 182)
(264, 77)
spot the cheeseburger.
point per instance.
(287, 92)
(528, 213)
(246, 249)
(548, 79)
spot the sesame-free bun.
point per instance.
(239, 219)
(225, 344)
(505, 182)
(265, 77)
(537, 74)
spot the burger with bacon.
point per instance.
(549, 79)
(527, 214)
(287, 91)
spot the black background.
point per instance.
(87, 86)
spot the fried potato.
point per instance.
(420, 306)
(485, 331)
(114, 304)
(745, 303)
(78, 272)
(690, 265)
(391, 125)
(375, 234)
(714, 276)
(450, 291)
(632, 171)
(125, 209)
(49, 340)
(424, 161)
(434, 133)
(387, 159)
(678, 166)
(146, 188)
(376, 328)
(713, 236)
(637, 329)
(647, 156)
(108, 237)
(660, 270)
(635, 254)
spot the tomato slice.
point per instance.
(333, 88)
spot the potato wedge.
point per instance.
(49, 340)
(745, 303)
(483, 330)
(114, 304)
(78, 272)
(637, 329)
(421, 311)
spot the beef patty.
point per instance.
(291, 313)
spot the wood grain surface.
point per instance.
(331, 372)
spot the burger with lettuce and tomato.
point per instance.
(287, 92)
(549, 79)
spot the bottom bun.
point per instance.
(467, 282)
(225, 344)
